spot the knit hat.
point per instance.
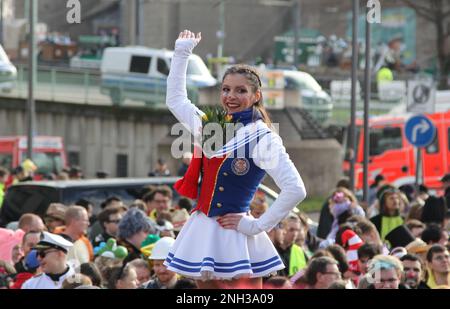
(352, 242)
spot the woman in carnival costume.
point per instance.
(222, 245)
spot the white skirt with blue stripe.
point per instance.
(204, 250)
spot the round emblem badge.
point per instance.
(240, 166)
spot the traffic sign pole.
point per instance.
(418, 168)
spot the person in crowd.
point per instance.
(109, 219)
(75, 173)
(28, 269)
(161, 169)
(385, 272)
(54, 216)
(326, 218)
(368, 232)
(348, 272)
(434, 234)
(10, 239)
(91, 270)
(349, 240)
(292, 255)
(4, 175)
(185, 203)
(110, 202)
(389, 217)
(306, 238)
(133, 230)
(418, 248)
(104, 265)
(185, 161)
(77, 223)
(445, 180)
(416, 227)
(29, 241)
(438, 267)
(277, 282)
(142, 270)
(229, 182)
(89, 208)
(343, 205)
(164, 278)
(185, 284)
(379, 181)
(258, 207)
(52, 255)
(434, 211)
(123, 277)
(322, 272)
(412, 271)
(164, 228)
(158, 201)
(7, 275)
(75, 281)
(365, 254)
(139, 204)
(179, 216)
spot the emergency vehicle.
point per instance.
(391, 155)
(48, 153)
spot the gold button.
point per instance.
(225, 174)
(219, 205)
(221, 189)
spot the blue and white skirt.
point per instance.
(205, 250)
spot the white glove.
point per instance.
(186, 42)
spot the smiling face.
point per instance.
(240, 89)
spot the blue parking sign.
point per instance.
(420, 131)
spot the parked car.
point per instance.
(140, 73)
(8, 72)
(315, 100)
(35, 196)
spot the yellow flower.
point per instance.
(228, 118)
(205, 117)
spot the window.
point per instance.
(140, 64)
(74, 158)
(162, 66)
(6, 160)
(122, 165)
(448, 138)
(382, 139)
(47, 162)
(434, 146)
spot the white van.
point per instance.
(140, 73)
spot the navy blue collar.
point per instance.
(246, 116)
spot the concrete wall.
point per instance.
(100, 133)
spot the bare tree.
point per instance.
(437, 12)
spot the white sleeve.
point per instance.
(176, 99)
(270, 155)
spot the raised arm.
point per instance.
(176, 99)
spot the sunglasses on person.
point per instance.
(43, 253)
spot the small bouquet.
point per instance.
(214, 119)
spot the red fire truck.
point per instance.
(48, 153)
(392, 156)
